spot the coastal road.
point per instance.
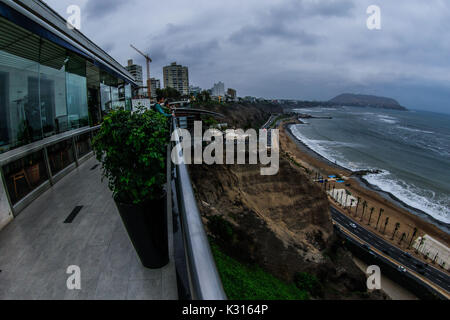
(267, 126)
(432, 274)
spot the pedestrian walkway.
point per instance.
(37, 247)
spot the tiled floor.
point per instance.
(37, 247)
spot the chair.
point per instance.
(20, 175)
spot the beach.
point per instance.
(395, 210)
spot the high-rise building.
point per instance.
(136, 72)
(176, 77)
(232, 94)
(155, 84)
(218, 90)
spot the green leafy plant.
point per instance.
(251, 282)
(132, 149)
(308, 282)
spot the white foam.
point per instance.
(326, 149)
(411, 195)
(408, 194)
(386, 119)
(414, 130)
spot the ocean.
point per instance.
(412, 150)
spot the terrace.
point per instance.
(75, 222)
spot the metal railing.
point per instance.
(203, 277)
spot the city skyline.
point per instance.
(304, 50)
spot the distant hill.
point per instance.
(360, 100)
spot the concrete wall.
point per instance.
(5, 210)
(431, 248)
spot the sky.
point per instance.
(292, 49)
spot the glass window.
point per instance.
(77, 101)
(93, 84)
(128, 97)
(60, 156)
(20, 121)
(52, 88)
(25, 175)
(76, 84)
(46, 89)
(116, 103)
(105, 97)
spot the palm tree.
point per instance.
(397, 226)
(365, 205)
(435, 257)
(370, 217)
(412, 237)
(357, 205)
(385, 224)
(402, 238)
(422, 242)
(379, 217)
(351, 204)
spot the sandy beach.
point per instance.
(397, 214)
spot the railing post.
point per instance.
(47, 165)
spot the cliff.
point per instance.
(280, 223)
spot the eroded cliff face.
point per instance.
(280, 222)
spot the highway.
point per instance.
(267, 127)
(431, 273)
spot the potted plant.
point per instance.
(132, 148)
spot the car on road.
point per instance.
(353, 225)
(401, 268)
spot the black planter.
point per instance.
(146, 225)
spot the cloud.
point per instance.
(305, 49)
(101, 8)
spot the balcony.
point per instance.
(73, 220)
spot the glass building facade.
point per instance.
(45, 89)
(56, 87)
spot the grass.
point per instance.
(281, 117)
(243, 282)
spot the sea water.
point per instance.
(411, 148)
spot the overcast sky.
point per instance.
(299, 49)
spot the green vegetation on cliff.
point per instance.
(242, 282)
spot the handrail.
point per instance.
(204, 279)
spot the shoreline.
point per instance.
(394, 210)
(370, 187)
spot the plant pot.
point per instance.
(146, 225)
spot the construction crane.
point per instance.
(148, 60)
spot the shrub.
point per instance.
(132, 149)
(309, 283)
(250, 282)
